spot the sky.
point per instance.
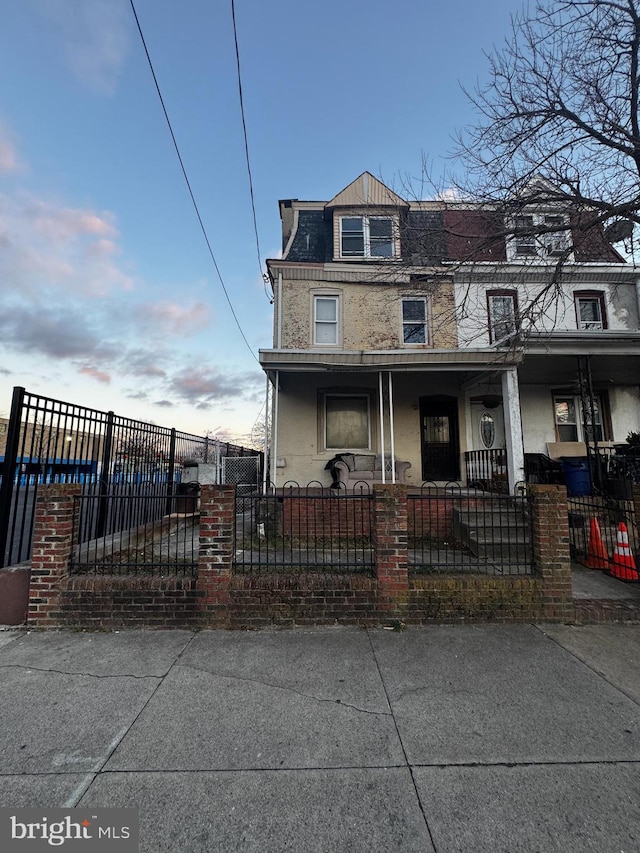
(108, 294)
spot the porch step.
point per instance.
(491, 533)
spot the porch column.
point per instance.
(512, 427)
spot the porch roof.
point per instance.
(388, 360)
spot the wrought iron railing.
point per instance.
(146, 539)
(453, 529)
(52, 441)
(487, 468)
(310, 529)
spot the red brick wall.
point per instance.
(219, 598)
(108, 601)
(316, 516)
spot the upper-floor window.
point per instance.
(540, 235)
(502, 312)
(325, 319)
(590, 310)
(414, 320)
(366, 237)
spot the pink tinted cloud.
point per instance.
(8, 157)
(176, 319)
(94, 373)
(48, 245)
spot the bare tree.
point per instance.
(562, 103)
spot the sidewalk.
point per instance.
(442, 738)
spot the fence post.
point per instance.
(550, 529)
(52, 545)
(171, 472)
(9, 470)
(215, 559)
(103, 488)
(390, 546)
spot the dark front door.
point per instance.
(439, 438)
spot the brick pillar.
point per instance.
(53, 541)
(390, 546)
(636, 509)
(550, 523)
(215, 560)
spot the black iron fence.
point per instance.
(452, 529)
(152, 534)
(51, 441)
(598, 524)
(312, 529)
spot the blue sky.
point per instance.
(108, 296)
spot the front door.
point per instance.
(439, 438)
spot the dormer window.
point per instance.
(532, 240)
(366, 237)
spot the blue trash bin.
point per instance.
(576, 472)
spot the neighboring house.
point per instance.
(418, 331)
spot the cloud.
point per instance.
(141, 362)
(94, 37)
(8, 158)
(173, 318)
(50, 246)
(94, 373)
(58, 333)
(202, 386)
(165, 404)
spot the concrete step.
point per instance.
(493, 534)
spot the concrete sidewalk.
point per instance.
(443, 738)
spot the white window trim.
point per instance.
(577, 404)
(315, 321)
(492, 321)
(366, 219)
(542, 242)
(332, 394)
(404, 323)
(589, 325)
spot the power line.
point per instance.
(246, 145)
(184, 173)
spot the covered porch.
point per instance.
(410, 411)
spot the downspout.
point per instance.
(391, 432)
(267, 440)
(275, 429)
(381, 405)
(279, 323)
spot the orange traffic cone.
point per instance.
(597, 556)
(623, 564)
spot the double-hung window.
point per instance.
(575, 423)
(366, 237)
(325, 319)
(590, 311)
(540, 236)
(502, 313)
(414, 320)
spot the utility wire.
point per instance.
(184, 172)
(265, 277)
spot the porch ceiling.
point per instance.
(553, 359)
(554, 369)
